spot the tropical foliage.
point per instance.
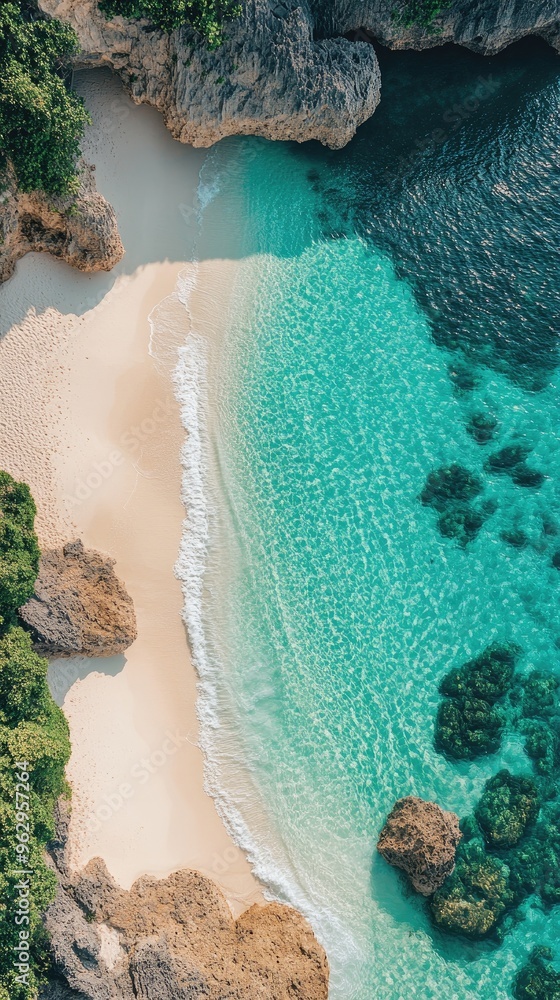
(205, 16)
(34, 749)
(41, 119)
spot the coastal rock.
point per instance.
(421, 838)
(79, 607)
(81, 230)
(487, 26)
(270, 77)
(284, 71)
(174, 939)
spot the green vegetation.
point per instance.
(41, 119)
(538, 979)
(205, 16)
(421, 13)
(509, 805)
(468, 724)
(34, 749)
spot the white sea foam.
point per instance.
(183, 353)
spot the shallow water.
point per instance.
(370, 280)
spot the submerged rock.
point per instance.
(79, 605)
(508, 806)
(538, 979)
(508, 458)
(450, 485)
(81, 229)
(173, 939)
(515, 537)
(463, 377)
(511, 461)
(475, 897)
(467, 723)
(482, 427)
(420, 838)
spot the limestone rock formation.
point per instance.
(487, 26)
(81, 230)
(284, 70)
(421, 838)
(174, 939)
(79, 607)
(269, 77)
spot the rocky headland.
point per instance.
(286, 70)
(79, 607)
(420, 838)
(172, 938)
(80, 229)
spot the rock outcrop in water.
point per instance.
(173, 939)
(284, 71)
(79, 607)
(421, 838)
(81, 230)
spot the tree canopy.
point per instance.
(41, 119)
(34, 749)
(205, 16)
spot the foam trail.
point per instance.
(181, 353)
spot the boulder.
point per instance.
(80, 229)
(172, 939)
(421, 838)
(79, 607)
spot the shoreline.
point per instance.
(93, 427)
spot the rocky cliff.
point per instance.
(269, 78)
(284, 70)
(485, 26)
(81, 230)
(173, 939)
(80, 607)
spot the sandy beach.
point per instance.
(90, 422)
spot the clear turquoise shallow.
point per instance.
(343, 606)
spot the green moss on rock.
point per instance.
(475, 897)
(538, 979)
(468, 724)
(508, 807)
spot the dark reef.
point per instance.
(468, 724)
(450, 490)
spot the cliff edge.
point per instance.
(285, 71)
(81, 229)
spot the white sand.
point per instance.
(90, 423)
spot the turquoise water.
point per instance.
(368, 279)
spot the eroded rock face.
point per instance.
(284, 71)
(486, 26)
(81, 230)
(79, 607)
(174, 939)
(269, 77)
(421, 838)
